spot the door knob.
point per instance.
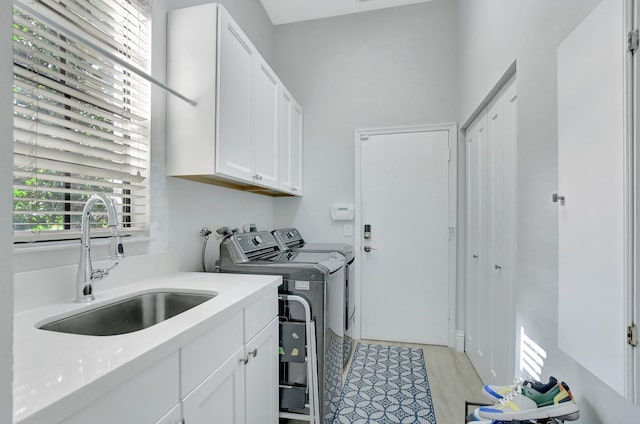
(475, 256)
(497, 266)
(369, 249)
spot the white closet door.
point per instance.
(591, 165)
(234, 156)
(490, 330)
(477, 293)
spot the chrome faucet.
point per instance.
(86, 273)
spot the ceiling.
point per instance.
(287, 11)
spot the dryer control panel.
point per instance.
(289, 237)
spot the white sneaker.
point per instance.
(497, 393)
(557, 402)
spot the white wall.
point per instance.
(6, 208)
(493, 34)
(383, 68)
(178, 209)
(181, 208)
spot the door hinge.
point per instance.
(364, 137)
(633, 40)
(449, 154)
(632, 335)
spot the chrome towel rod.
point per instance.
(103, 52)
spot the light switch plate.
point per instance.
(347, 230)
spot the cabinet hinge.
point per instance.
(632, 335)
(633, 41)
(364, 137)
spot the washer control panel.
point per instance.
(250, 242)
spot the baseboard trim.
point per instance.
(459, 341)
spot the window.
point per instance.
(81, 120)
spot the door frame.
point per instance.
(362, 135)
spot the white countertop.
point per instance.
(57, 373)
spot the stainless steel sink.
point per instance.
(128, 315)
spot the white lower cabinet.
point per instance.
(143, 399)
(261, 376)
(244, 388)
(220, 398)
(227, 375)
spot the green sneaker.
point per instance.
(556, 402)
(497, 393)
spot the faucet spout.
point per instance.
(86, 273)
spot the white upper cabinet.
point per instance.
(232, 136)
(290, 142)
(264, 116)
(191, 130)
(234, 155)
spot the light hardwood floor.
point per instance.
(452, 380)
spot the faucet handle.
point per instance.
(99, 274)
(116, 248)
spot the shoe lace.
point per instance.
(515, 393)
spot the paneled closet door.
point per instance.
(234, 155)
(477, 258)
(490, 330)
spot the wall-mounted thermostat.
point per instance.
(342, 212)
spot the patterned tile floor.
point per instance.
(384, 385)
(452, 380)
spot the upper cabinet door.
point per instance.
(264, 122)
(290, 135)
(296, 149)
(234, 155)
(285, 103)
(191, 64)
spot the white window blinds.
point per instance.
(81, 121)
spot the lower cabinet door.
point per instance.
(262, 376)
(220, 397)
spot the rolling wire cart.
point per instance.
(298, 345)
(556, 420)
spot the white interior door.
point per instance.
(490, 330)
(405, 198)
